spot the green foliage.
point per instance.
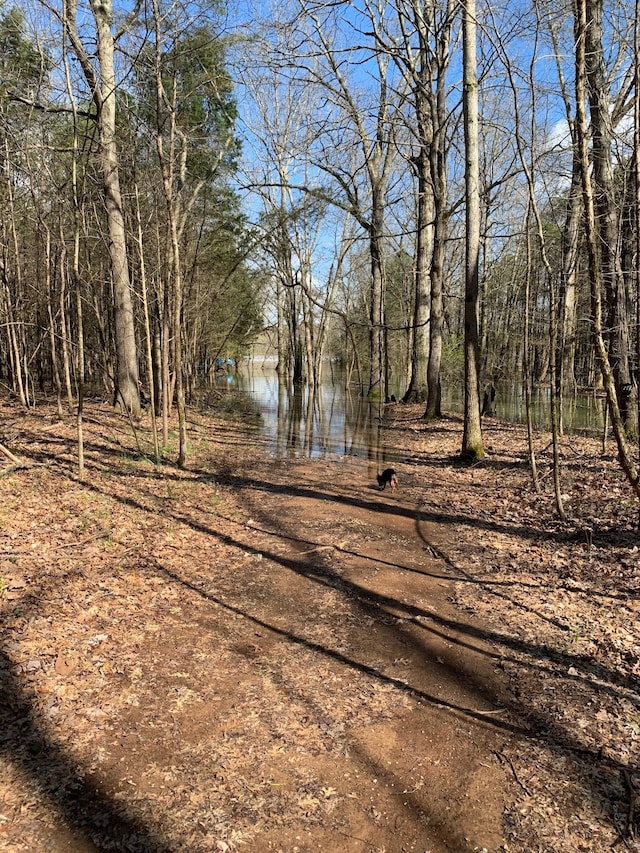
(452, 359)
(198, 96)
(226, 296)
(21, 63)
(196, 120)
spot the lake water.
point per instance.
(582, 413)
(339, 422)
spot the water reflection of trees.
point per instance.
(328, 421)
(336, 420)
(582, 411)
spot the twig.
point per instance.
(80, 542)
(16, 465)
(489, 712)
(318, 548)
(502, 757)
(19, 463)
(357, 838)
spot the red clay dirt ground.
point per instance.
(273, 655)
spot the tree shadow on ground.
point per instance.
(95, 820)
(107, 824)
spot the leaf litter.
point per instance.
(154, 652)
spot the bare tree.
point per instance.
(103, 88)
(276, 122)
(422, 52)
(363, 119)
(167, 160)
(472, 443)
(582, 24)
(605, 208)
(570, 239)
(527, 165)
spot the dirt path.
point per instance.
(251, 655)
(360, 587)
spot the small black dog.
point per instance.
(388, 476)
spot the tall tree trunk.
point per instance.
(64, 332)
(433, 409)
(526, 372)
(438, 160)
(581, 26)
(635, 214)
(149, 341)
(104, 96)
(166, 160)
(20, 379)
(377, 350)
(127, 391)
(281, 331)
(81, 367)
(418, 388)
(472, 444)
(307, 315)
(570, 239)
(569, 277)
(605, 205)
(167, 388)
(13, 346)
(53, 344)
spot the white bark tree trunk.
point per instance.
(472, 444)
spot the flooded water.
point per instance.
(582, 413)
(334, 423)
(338, 422)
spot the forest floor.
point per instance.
(264, 654)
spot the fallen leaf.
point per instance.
(65, 664)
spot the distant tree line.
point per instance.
(437, 192)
